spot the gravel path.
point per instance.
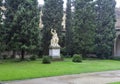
(85, 78)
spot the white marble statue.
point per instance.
(55, 39)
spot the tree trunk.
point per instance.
(46, 50)
(84, 53)
(13, 54)
(22, 54)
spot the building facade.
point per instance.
(117, 39)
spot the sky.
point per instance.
(42, 2)
(118, 3)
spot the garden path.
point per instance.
(85, 78)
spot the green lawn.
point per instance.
(115, 83)
(35, 69)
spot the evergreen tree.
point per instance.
(69, 33)
(22, 25)
(52, 18)
(2, 43)
(0, 12)
(84, 26)
(0, 25)
(105, 32)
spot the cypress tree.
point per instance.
(52, 18)
(105, 32)
(84, 26)
(0, 25)
(2, 29)
(0, 16)
(22, 25)
(0, 12)
(69, 33)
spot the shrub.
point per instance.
(116, 58)
(63, 51)
(4, 57)
(62, 57)
(46, 60)
(77, 58)
(33, 57)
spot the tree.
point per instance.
(0, 17)
(84, 26)
(0, 25)
(0, 12)
(69, 32)
(2, 43)
(105, 32)
(22, 25)
(52, 18)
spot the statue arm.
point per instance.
(52, 31)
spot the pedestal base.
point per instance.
(54, 52)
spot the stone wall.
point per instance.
(117, 39)
(117, 17)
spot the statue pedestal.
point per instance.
(54, 52)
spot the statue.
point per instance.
(54, 49)
(55, 39)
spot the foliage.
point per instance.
(22, 25)
(33, 57)
(77, 58)
(0, 26)
(84, 26)
(69, 32)
(62, 56)
(115, 58)
(46, 60)
(4, 57)
(63, 51)
(105, 30)
(2, 44)
(0, 14)
(52, 18)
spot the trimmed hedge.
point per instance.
(46, 60)
(33, 57)
(77, 58)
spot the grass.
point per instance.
(35, 69)
(115, 83)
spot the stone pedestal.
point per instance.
(54, 52)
